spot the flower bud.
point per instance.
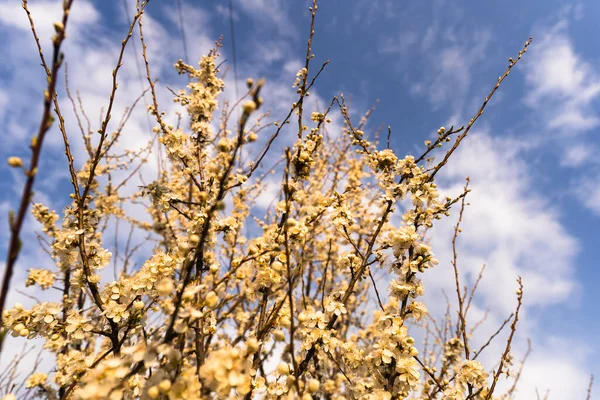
(277, 266)
(223, 145)
(58, 26)
(283, 368)
(279, 335)
(153, 392)
(252, 345)
(313, 385)
(15, 162)
(164, 385)
(249, 106)
(165, 287)
(212, 299)
(194, 239)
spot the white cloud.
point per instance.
(224, 12)
(398, 45)
(91, 60)
(577, 155)
(508, 226)
(556, 366)
(196, 27)
(588, 192)
(564, 92)
(450, 74)
(44, 14)
(270, 10)
(514, 231)
(3, 103)
(291, 67)
(563, 85)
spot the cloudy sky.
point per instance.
(535, 205)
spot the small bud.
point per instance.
(277, 266)
(15, 162)
(59, 27)
(252, 345)
(214, 168)
(195, 238)
(165, 287)
(223, 145)
(188, 295)
(164, 385)
(153, 392)
(285, 322)
(283, 368)
(212, 299)
(249, 106)
(313, 385)
(138, 304)
(279, 335)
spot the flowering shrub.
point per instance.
(231, 304)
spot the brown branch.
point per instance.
(511, 64)
(513, 329)
(512, 389)
(16, 224)
(462, 325)
(506, 321)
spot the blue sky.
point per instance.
(532, 157)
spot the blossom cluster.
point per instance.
(223, 299)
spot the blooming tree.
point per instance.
(231, 303)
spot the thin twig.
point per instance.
(16, 223)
